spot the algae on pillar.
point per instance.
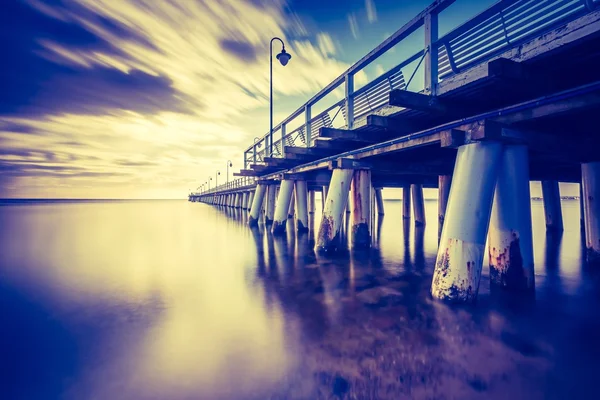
(335, 203)
(257, 203)
(301, 196)
(510, 239)
(283, 205)
(460, 255)
(590, 178)
(361, 209)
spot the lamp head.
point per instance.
(284, 57)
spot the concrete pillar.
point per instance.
(244, 200)
(379, 199)
(581, 210)
(250, 199)
(551, 195)
(328, 236)
(301, 206)
(361, 209)
(590, 178)
(460, 255)
(257, 203)
(406, 202)
(283, 206)
(292, 209)
(510, 240)
(311, 201)
(444, 182)
(270, 207)
(324, 196)
(418, 204)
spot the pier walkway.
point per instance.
(511, 95)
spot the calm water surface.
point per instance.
(178, 300)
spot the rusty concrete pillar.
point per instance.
(379, 199)
(406, 202)
(460, 255)
(257, 204)
(283, 205)
(510, 239)
(270, 206)
(292, 209)
(361, 209)
(301, 195)
(552, 210)
(418, 204)
(444, 182)
(335, 203)
(311, 201)
(324, 191)
(590, 178)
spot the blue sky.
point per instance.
(148, 98)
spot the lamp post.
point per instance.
(229, 164)
(283, 58)
(217, 178)
(209, 179)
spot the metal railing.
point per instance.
(504, 25)
(240, 183)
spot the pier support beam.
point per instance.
(510, 239)
(418, 204)
(301, 195)
(379, 199)
(245, 200)
(270, 208)
(257, 203)
(335, 204)
(460, 255)
(311, 201)
(444, 182)
(590, 178)
(324, 196)
(406, 202)
(361, 209)
(283, 205)
(292, 209)
(250, 199)
(552, 210)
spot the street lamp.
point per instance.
(229, 164)
(217, 178)
(283, 58)
(209, 179)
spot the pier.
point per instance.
(508, 97)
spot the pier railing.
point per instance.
(504, 25)
(239, 183)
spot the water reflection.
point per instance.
(178, 300)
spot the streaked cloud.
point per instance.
(371, 11)
(353, 25)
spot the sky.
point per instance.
(150, 98)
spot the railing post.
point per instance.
(349, 100)
(283, 140)
(245, 161)
(431, 55)
(307, 124)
